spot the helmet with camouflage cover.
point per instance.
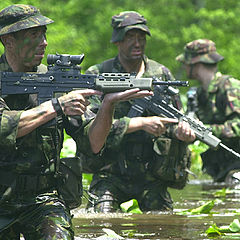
(126, 21)
(201, 50)
(20, 16)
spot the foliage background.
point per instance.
(83, 26)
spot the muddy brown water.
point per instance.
(164, 225)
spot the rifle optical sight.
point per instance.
(64, 59)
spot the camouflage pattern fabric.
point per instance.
(20, 16)
(50, 220)
(110, 190)
(222, 103)
(126, 21)
(26, 167)
(126, 158)
(201, 50)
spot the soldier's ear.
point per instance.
(7, 40)
(2, 40)
(116, 44)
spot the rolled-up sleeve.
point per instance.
(231, 127)
(117, 132)
(8, 127)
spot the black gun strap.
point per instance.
(176, 102)
(57, 145)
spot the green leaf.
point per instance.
(235, 226)
(204, 209)
(131, 206)
(213, 231)
(222, 193)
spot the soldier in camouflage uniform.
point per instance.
(125, 169)
(29, 201)
(218, 106)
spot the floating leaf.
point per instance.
(222, 193)
(234, 227)
(213, 231)
(204, 209)
(131, 206)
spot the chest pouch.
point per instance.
(69, 181)
(171, 162)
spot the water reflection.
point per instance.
(164, 225)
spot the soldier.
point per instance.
(125, 169)
(218, 106)
(30, 203)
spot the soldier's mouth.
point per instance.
(136, 52)
(40, 54)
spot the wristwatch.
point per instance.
(57, 107)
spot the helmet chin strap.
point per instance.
(191, 70)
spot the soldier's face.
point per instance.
(30, 45)
(133, 45)
(190, 71)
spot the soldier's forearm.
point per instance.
(101, 126)
(35, 117)
(135, 124)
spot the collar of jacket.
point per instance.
(117, 65)
(213, 86)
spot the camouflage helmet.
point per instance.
(20, 16)
(201, 50)
(126, 21)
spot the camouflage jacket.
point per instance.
(130, 154)
(24, 159)
(221, 102)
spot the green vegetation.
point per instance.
(203, 209)
(84, 27)
(131, 206)
(232, 231)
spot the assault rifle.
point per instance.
(64, 75)
(160, 106)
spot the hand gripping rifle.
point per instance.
(159, 105)
(64, 75)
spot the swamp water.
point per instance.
(165, 225)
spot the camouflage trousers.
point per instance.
(44, 221)
(108, 192)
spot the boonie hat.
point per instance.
(126, 21)
(20, 16)
(201, 50)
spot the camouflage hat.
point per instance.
(126, 21)
(201, 50)
(18, 17)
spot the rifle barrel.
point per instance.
(171, 83)
(230, 150)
